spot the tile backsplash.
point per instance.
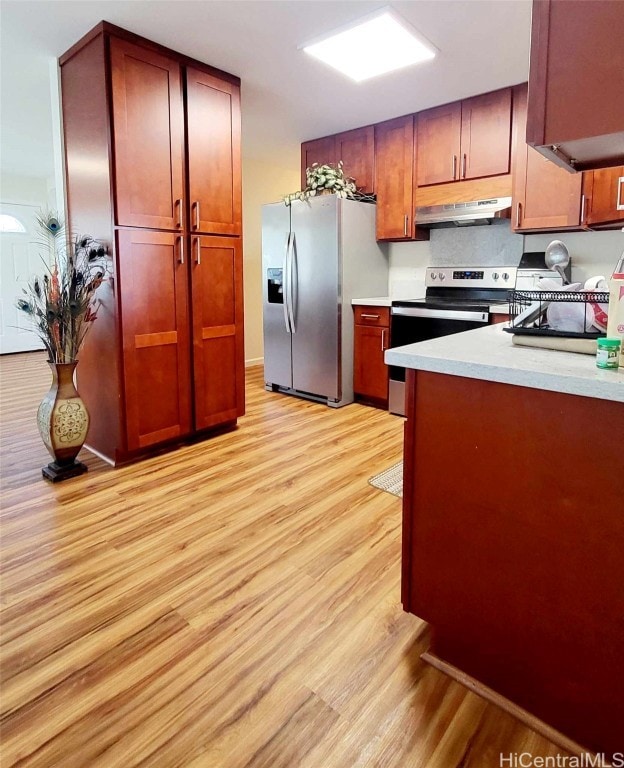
(592, 253)
(486, 245)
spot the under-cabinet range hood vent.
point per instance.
(463, 214)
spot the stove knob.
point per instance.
(505, 275)
(441, 275)
(433, 276)
(495, 275)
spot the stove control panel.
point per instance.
(484, 277)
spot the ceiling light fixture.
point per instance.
(378, 43)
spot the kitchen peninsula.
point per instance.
(513, 527)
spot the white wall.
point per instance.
(262, 183)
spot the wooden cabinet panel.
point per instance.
(467, 139)
(394, 159)
(604, 190)
(319, 151)
(156, 352)
(486, 135)
(575, 102)
(148, 125)
(370, 373)
(372, 316)
(546, 196)
(214, 162)
(218, 353)
(356, 149)
(439, 144)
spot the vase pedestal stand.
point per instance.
(56, 472)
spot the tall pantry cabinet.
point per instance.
(153, 169)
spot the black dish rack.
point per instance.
(536, 323)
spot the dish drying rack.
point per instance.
(535, 322)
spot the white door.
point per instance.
(20, 260)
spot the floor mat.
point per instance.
(390, 480)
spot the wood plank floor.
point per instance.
(234, 603)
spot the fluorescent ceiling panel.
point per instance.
(376, 45)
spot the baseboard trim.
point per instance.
(254, 361)
(525, 717)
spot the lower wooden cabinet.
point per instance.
(217, 327)
(371, 339)
(604, 197)
(165, 357)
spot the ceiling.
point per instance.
(287, 96)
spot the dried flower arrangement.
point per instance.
(61, 305)
(324, 178)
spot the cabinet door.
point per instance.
(319, 151)
(370, 373)
(356, 149)
(439, 144)
(486, 135)
(153, 288)
(218, 353)
(394, 161)
(148, 125)
(606, 200)
(214, 161)
(546, 197)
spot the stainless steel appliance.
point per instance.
(456, 299)
(463, 214)
(317, 256)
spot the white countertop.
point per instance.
(488, 353)
(378, 301)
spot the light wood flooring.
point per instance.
(233, 603)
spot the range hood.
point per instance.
(463, 214)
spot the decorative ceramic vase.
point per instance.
(63, 422)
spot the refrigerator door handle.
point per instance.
(292, 283)
(285, 286)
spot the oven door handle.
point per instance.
(442, 314)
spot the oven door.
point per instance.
(412, 324)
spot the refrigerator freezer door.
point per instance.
(277, 339)
(316, 296)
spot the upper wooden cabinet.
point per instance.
(214, 154)
(152, 151)
(604, 197)
(394, 161)
(470, 139)
(355, 148)
(148, 127)
(576, 82)
(545, 197)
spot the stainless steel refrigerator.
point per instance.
(317, 256)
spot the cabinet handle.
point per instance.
(518, 214)
(181, 242)
(619, 206)
(198, 252)
(383, 340)
(464, 166)
(454, 167)
(369, 317)
(196, 209)
(582, 209)
(405, 223)
(178, 207)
